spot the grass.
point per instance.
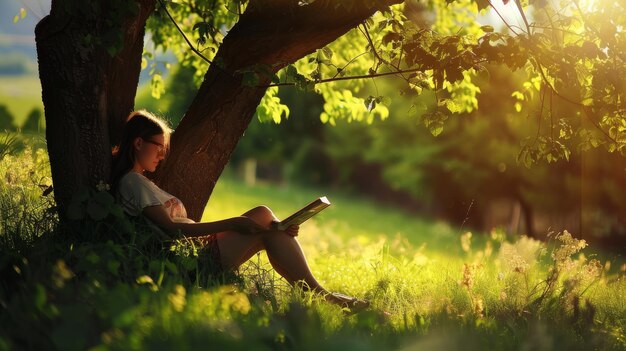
(433, 287)
(349, 216)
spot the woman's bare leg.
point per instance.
(283, 250)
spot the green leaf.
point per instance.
(104, 198)
(203, 31)
(370, 103)
(327, 52)
(113, 266)
(435, 128)
(454, 106)
(391, 36)
(117, 211)
(96, 210)
(434, 122)
(171, 266)
(157, 86)
(20, 15)
(40, 296)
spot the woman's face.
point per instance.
(149, 152)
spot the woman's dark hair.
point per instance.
(141, 124)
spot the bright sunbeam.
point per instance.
(508, 13)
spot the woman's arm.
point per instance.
(159, 216)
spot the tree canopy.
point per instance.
(570, 50)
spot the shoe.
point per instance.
(350, 305)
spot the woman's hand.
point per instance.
(292, 230)
(246, 225)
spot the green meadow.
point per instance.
(104, 284)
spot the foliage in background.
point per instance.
(568, 52)
(6, 119)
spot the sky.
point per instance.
(20, 36)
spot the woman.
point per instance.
(228, 243)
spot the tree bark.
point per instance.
(275, 33)
(87, 94)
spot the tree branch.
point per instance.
(183, 34)
(369, 40)
(365, 76)
(584, 107)
(348, 63)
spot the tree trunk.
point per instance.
(87, 94)
(275, 33)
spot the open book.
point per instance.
(303, 214)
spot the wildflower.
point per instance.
(466, 241)
(520, 266)
(568, 247)
(479, 307)
(593, 268)
(467, 279)
(519, 256)
(469, 270)
(503, 295)
(102, 186)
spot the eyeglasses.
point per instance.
(161, 148)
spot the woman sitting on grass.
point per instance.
(227, 243)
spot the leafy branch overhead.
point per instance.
(570, 52)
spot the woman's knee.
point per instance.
(261, 214)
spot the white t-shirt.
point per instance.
(135, 192)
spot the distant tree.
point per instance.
(34, 121)
(6, 119)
